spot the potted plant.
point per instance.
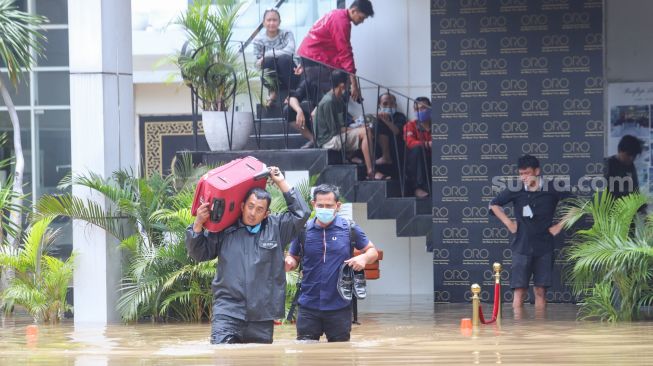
(214, 67)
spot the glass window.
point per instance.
(52, 164)
(53, 88)
(55, 10)
(53, 145)
(56, 48)
(7, 150)
(19, 95)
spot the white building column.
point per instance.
(103, 140)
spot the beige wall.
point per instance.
(173, 98)
(406, 268)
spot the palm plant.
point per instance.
(20, 44)
(210, 62)
(612, 261)
(149, 217)
(163, 280)
(40, 281)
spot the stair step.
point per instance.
(412, 216)
(274, 126)
(419, 225)
(411, 221)
(275, 142)
(389, 208)
(370, 189)
(345, 176)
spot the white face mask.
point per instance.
(325, 215)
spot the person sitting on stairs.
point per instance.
(330, 124)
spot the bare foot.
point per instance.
(272, 99)
(379, 176)
(356, 160)
(383, 161)
(420, 193)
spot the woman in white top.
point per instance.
(274, 50)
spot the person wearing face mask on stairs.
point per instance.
(417, 136)
(325, 252)
(390, 123)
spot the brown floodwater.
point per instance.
(393, 331)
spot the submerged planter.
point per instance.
(217, 129)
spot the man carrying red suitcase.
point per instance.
(250, 281)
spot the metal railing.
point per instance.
(317, 84)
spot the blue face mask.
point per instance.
(390, 111)
(325, 215)
(424, 115)
(254, 229)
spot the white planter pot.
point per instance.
(217, 131)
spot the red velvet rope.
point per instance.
(495, 310)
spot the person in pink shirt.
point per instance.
(328, 42)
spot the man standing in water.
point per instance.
(250, 282)
(326, 255)
(535, 201)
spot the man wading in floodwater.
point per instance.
(250, 282)
(535, 201)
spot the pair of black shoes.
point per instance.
(351, 283)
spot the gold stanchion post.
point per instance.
(497, 280)
(476, 304)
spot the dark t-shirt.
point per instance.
(615, 169)
(306, 91)
(532, 237)
(329, 118)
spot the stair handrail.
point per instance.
(401, 167)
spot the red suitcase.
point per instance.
(225, 187)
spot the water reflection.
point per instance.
(393, 331)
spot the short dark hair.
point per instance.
(364, 6)
(326, 189)
(259, 194)
(338, 77)
(528, 161)
(631, 145)
(424, 100)
(389, 95)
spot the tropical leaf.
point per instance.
(612, 260)
(41, 281)
(21, 40)
(209, 58)
(67, 205)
